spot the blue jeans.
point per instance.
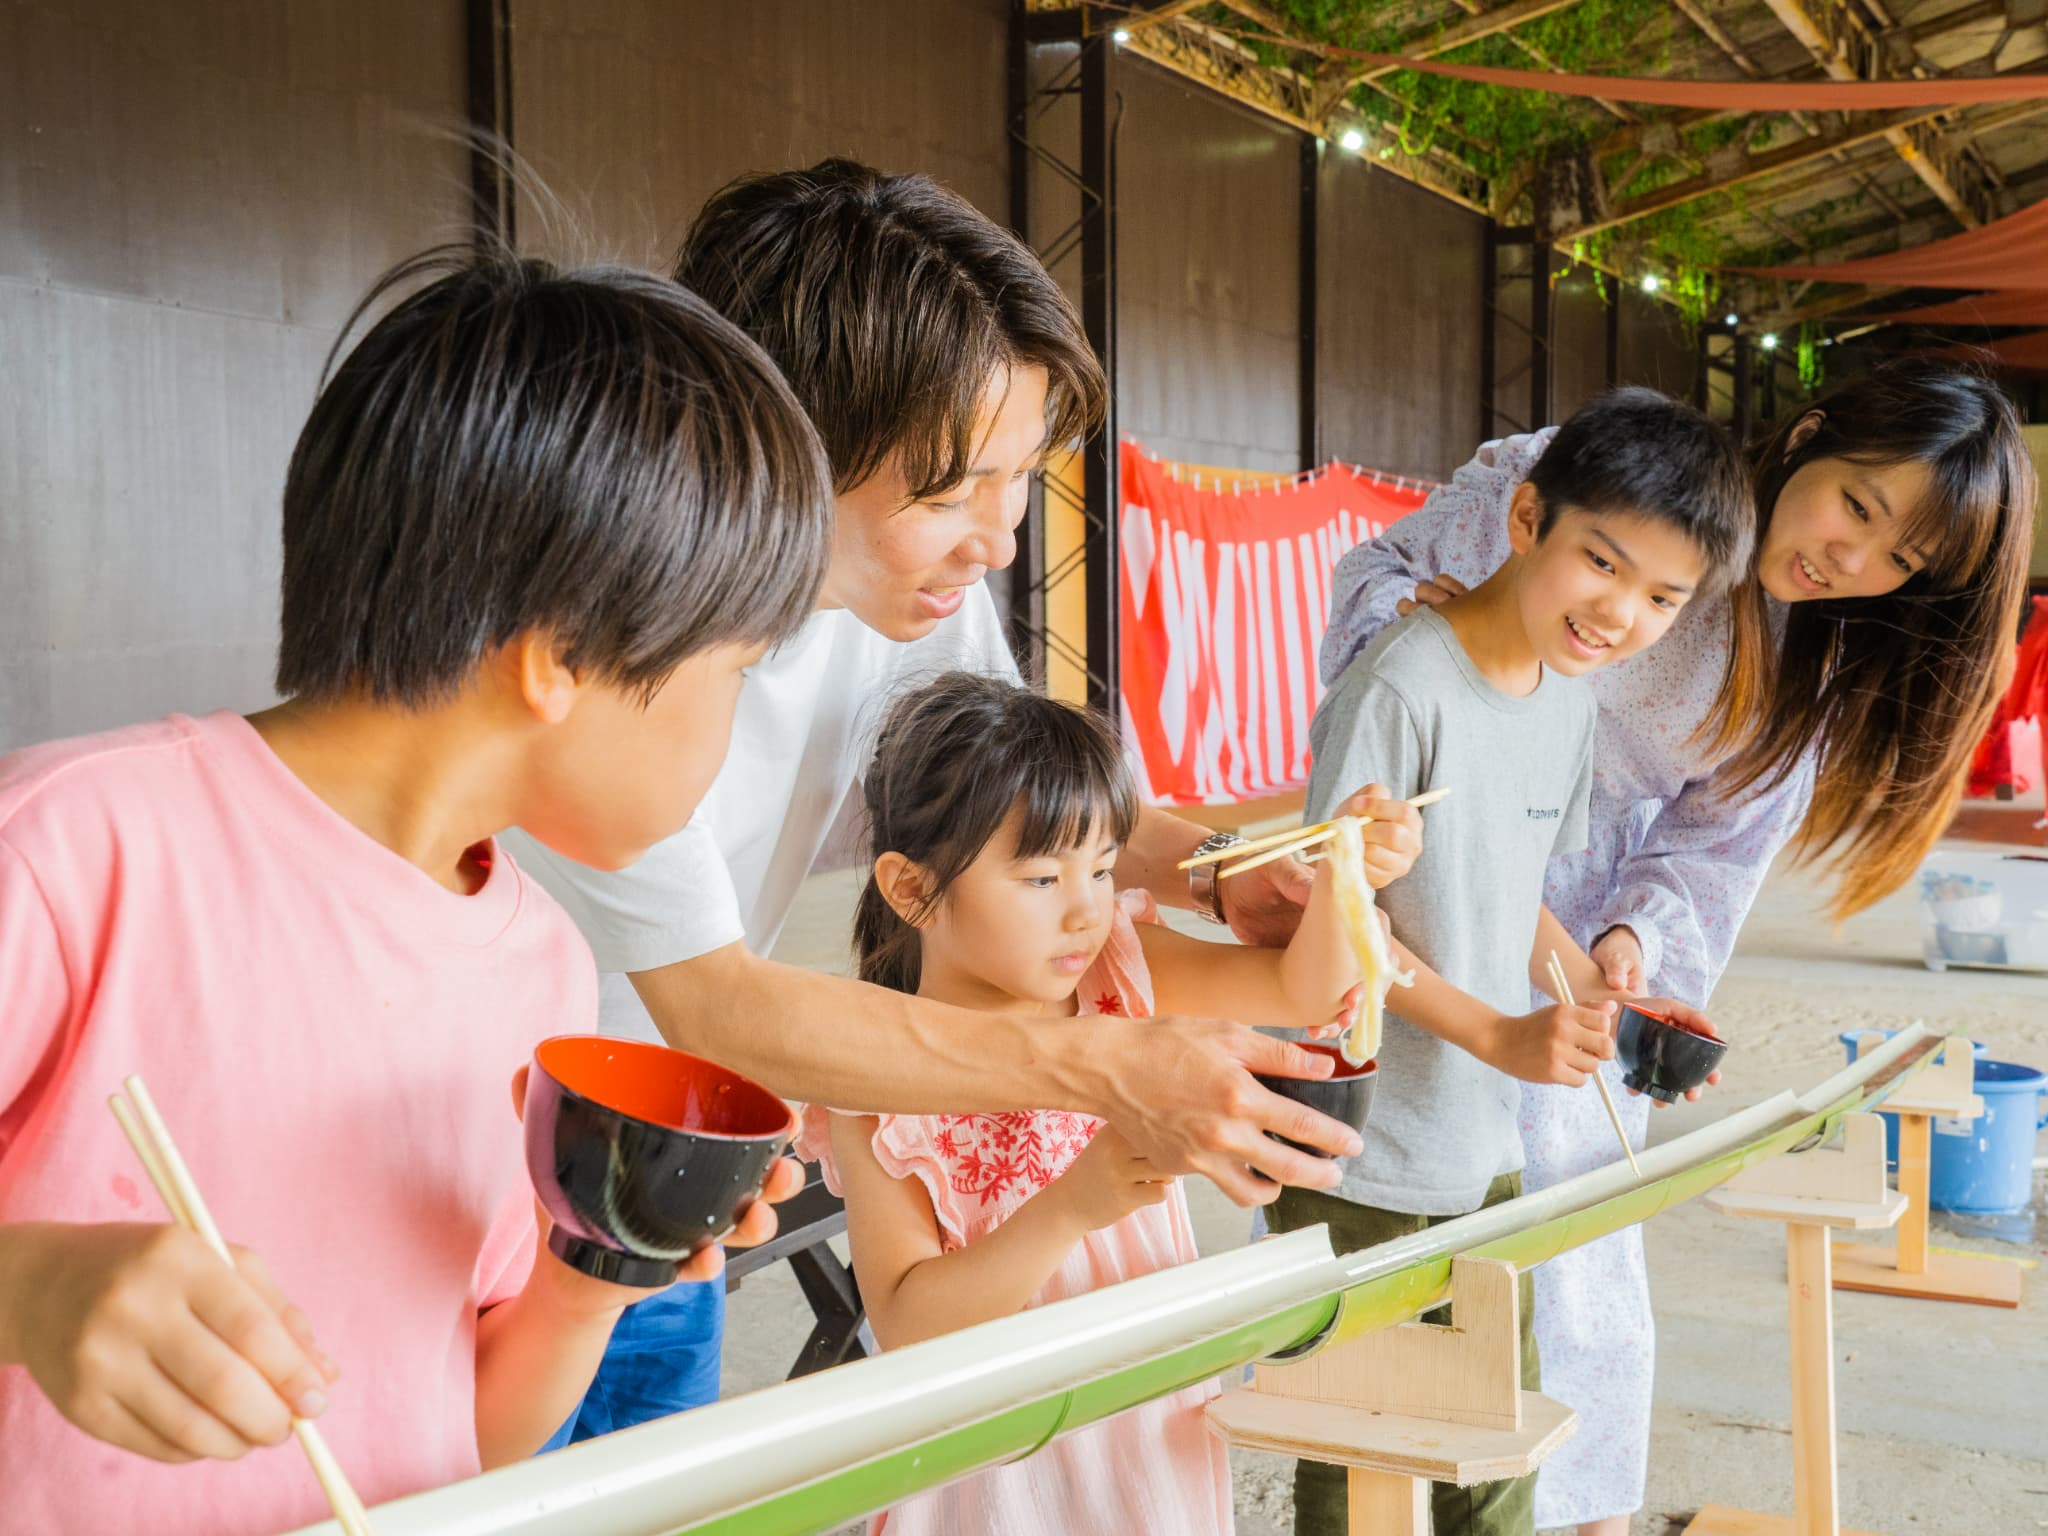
(663, 1358)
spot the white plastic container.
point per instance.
(1984, 909)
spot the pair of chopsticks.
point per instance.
(1280, 845)
(150, 1138)
(1563, 991)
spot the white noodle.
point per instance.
(1368, 941)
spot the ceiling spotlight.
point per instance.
(1768, 342)
(1652, 282)
(1732, 318)
(1352, 140)
(1120, 35)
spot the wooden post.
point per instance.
(1383, 1504)
(1916, 1148)
(1811, 1323)
(1809, 1192)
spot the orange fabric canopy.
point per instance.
(2009, 253)
(2014, 306)
(1734, 95)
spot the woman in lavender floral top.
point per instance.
(1835, 696)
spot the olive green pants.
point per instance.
(1491, 1509)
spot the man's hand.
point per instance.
(1557, 1044)
(1430, 593)
(1619, 954)
(1263, 906)
(1182, 1093)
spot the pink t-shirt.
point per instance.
(331, 1036)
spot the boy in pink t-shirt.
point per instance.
(534, 528)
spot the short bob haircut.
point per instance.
(889, 303)
(592, 454)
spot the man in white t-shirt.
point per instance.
(940, 364)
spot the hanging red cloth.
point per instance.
(2006, 253)
(2026, 698)
(1729, 95)
(2013, 306)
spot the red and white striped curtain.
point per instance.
(1225, 596)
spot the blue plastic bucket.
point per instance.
(1985, 1166)
(1978, 1050)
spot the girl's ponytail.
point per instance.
(885, 948)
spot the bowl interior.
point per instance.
(663, 1087)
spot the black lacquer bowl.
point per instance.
(1660, 1058)
(643, 1155)
(1344, 1095)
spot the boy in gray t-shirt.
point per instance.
(1637, 505)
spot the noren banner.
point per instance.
(1225, 596)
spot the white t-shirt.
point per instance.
(803, 733)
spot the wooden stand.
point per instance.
(1809, 1192)
(1943, 1091)
(1408, 1406)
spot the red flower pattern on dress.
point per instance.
(1109, 1002)
(1018, 1152)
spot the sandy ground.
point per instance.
(1943, 1408)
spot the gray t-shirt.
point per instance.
(1412, 712)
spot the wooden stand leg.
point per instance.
(1916, 1146)
(1385, 1504)
(1815, 1504)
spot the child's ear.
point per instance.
(905, 886)
(544, 684)
(1525, 517)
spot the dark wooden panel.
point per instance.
(1579, 371)
(1656, 348)
(191, 198)
(634, 111)
(1208, 274)
(1399, 320)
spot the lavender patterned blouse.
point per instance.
(1669, 858)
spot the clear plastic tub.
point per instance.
(1984, 909)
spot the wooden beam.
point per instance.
(1834, 36)
(1471, 30)
(1849, 131)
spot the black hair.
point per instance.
(953, 760)
(1637, 453)
(595, 454)
(888, 303)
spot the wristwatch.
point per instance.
(1204, 890)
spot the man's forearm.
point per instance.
(1158, 843)
(829, 1040)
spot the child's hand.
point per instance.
(141, 1337)
(1109, 1181)
(1393, 838)
(1619, 954)
(1557, 1044)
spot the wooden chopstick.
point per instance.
(158, 1154)
(1274, 839)
(1563, 989)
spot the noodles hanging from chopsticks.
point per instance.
(1368, 940)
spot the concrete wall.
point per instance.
(191, 198)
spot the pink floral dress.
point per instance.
(1155, 1467)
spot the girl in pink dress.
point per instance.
(997, 816)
